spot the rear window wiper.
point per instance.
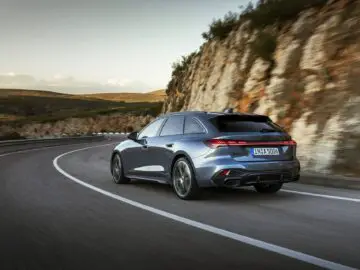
(267, 130)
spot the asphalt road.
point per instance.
(68, 214)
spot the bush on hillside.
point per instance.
(266, 12)
(181, 66)
(264, 46)
(11, 136)
(129, 129)
(220, 28)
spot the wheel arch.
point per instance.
(181, 154)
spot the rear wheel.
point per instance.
(117, 170)
(268, 188)
(183, 180)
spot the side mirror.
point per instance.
(133, 136)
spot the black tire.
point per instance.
(268, 188)
(117, 170)
(192, 190)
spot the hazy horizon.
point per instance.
(100, 46)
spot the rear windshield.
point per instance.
(244, 123)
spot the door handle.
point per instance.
(169, 145)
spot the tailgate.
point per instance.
(256, 147)
(251, 138)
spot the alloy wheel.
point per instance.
(182, 178)
(116, 169)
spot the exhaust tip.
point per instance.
(230, 183)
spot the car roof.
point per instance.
(205, 114)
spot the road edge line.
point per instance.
(205, 227)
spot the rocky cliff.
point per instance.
(310, 84)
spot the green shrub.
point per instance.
(266, 12)
(264, 46)
(178, 69)
(277, 11)
(220, 28)
(11, 136)
(181, 66)
(129, 129)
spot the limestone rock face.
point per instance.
(288, 58)
(311, 87)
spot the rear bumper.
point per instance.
(208, 172)
(238, 178)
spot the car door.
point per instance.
(137, 155)
(161, 148)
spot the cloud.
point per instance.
(67, 84)
(120, 82)
(11, 78)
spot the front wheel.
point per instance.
(268, 188)
(183, 180)
(117, 170)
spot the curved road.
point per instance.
(60, 210)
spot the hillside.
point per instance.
(21, 92)
(297, 61)
(26, 106)
(154, 96)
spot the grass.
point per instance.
(22, 92)
(18, 107)
(154, 96)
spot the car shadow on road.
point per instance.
(215, 194)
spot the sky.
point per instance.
(108, 45)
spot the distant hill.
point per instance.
(22, 92)
(23, 106)
(154, 96)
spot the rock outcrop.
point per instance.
(311, 86)
(117, 122)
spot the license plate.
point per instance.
(266, 152)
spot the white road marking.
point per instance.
(234, 236)
(321, 195)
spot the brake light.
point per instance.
(215, 143)
(225, 172)
(291, 142)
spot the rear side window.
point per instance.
(192, 126)
(173, 126)
(240, 123)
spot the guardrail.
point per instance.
(50, 140)
(111, 133)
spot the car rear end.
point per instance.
(246, 150)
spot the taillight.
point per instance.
(215, 143)
(225, 172)
(291, 142)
